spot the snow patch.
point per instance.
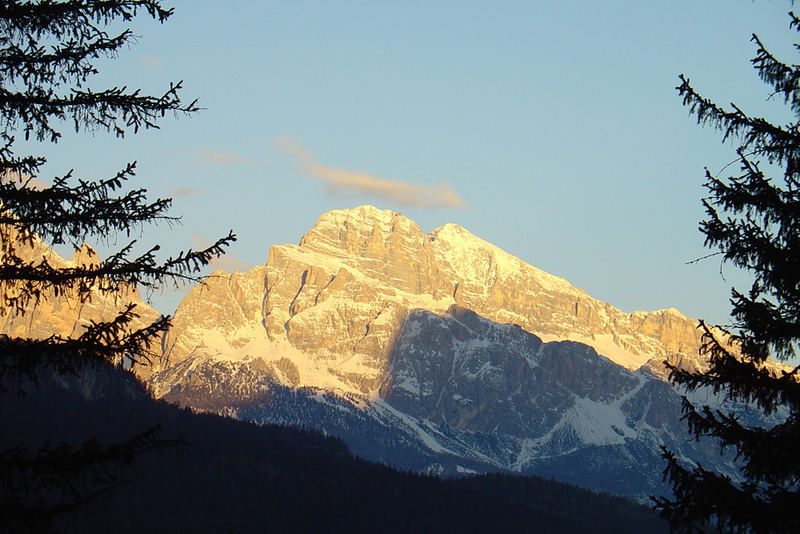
(425, 435)
(604, 345)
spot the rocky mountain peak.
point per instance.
(478, 261)
(339, 299)
(363, 231)
(338, 302)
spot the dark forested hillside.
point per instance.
(229, 476)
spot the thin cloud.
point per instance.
(228, 262)
(154, 61)
(183, 192)
(345, 181)
(224, 158)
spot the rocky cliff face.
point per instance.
(341, 296)
(64, 314)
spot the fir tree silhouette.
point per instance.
(49, 53)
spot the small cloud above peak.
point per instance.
(222, 158)
(154, 61)
(184, 192)
(351, 182)
(291, 145)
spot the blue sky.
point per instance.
(552, 129)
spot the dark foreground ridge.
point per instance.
(231, 476)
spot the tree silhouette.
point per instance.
(753, 219)
(49, 53)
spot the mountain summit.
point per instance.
(337, 300)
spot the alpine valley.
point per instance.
(435, 353)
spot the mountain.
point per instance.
(341, 295)
(437, 352)
(233, 476)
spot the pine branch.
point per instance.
(31, 64)
(782, 77)
(739, 378)
(62, 17)
(65, 213)
(113, 110)
(114, 341)
(26, 282)
(706, 500)
(754, 133)
(23, 169)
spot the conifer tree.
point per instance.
(50, 52)
(753, 220)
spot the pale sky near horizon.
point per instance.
(551, 129)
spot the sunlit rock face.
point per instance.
(223, 307)
(341, 296)
(65, 314)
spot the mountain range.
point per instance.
(437, 353)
